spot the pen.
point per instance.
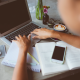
(33, 57)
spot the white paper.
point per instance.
(72, 55)
(12, 56)
(33, 52)
(35, 68)
(45, 51)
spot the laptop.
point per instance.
(15, 19)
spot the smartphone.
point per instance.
(58, 55)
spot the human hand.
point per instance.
(23, 42)
(42, 33)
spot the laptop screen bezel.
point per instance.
(19, 26)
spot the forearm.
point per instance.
(20, 71)
(70, 39)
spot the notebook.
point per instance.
(12, 56)
(45, 51)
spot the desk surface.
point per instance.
(6, 72)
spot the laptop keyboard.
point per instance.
(23, 31)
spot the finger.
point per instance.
(36, 30)
(20, 36)
(34, 33)
(17, 37)
(29, 36)
(24, 36)
(14, 41)
(36, 37)
(43, 28)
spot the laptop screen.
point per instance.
(13, 14)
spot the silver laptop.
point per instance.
(15, 19)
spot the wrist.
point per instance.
(55, 34)
(23, 50)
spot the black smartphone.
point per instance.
(59, 54)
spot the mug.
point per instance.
(58, 27)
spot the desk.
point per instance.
(6, 72)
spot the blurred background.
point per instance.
(52, 11)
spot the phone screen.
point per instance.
(58, 53)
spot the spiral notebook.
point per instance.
(12, 56)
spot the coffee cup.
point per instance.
(59, 27)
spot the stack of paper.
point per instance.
(12, 56)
